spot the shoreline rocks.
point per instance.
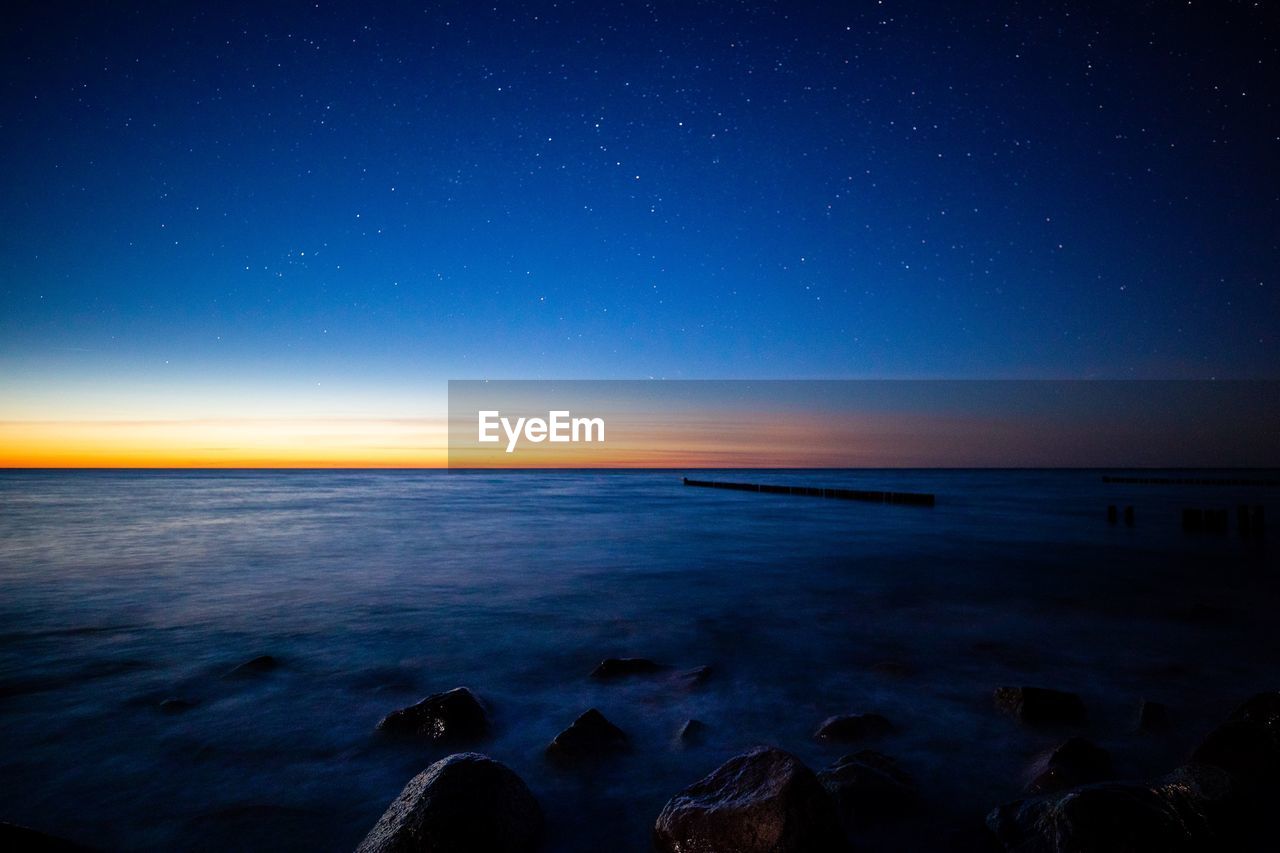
(464, 803)
(1247, 744)
(1170, 815)
(1222, 800)
(1076, 762)
(453, 715)
(868, 787)
(762, 801)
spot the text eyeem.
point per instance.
(559, 426)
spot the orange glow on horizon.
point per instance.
(396, 443)
(228, 443)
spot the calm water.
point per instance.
(373, 589)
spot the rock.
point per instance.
(693, 732)
(1040, 705)
(588, 737)
(622, 667)
(691, 678)
(1247, 745)
(1170, 815)
(260, 665)
(853, 727)
(763, 801)
(1262, 709)
(1153, 717)
(1076, 762)
(21, 839)
(869, 786)
(463, 803)
(1247, 748)
(453, 715)
(173, 705)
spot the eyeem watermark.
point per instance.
(558, 426)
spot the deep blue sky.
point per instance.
(282, 198)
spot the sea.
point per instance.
(373, 589)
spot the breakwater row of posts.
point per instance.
(868, 495)
(1191, 481)
(1250, 520)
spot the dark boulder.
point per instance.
(690, 679)
(1076, 762)
(588, 737)
(1247, 745)
(622, 667)
(1175, 814)
(464, 803)
(173, 705)
(693, 732)
(26, 840)
(763, 801)
(1263, 710)
(453, 715)
(260, 665)
(868, 787)
(853, 727)
(1040, 705)
(1153, 717)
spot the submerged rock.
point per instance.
(692, 678)
(763, 801)
(622, 667)
(693, 732)
(26, 840)
(588, 737)
(1153, 717)
(1076, 762)
(453, 715)
(260, 665)
(868, 787)
(464, 803)
(174, 705)
(853, 727)
(1171, 815)
(1040, 705)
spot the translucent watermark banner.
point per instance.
(689, 424)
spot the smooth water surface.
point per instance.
(119, 589)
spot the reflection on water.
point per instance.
(120, 589)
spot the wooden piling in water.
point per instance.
(870, 496)
(1215, 520)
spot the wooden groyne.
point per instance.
(1191, 481)
(906, 498)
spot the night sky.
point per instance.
(306, 210)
